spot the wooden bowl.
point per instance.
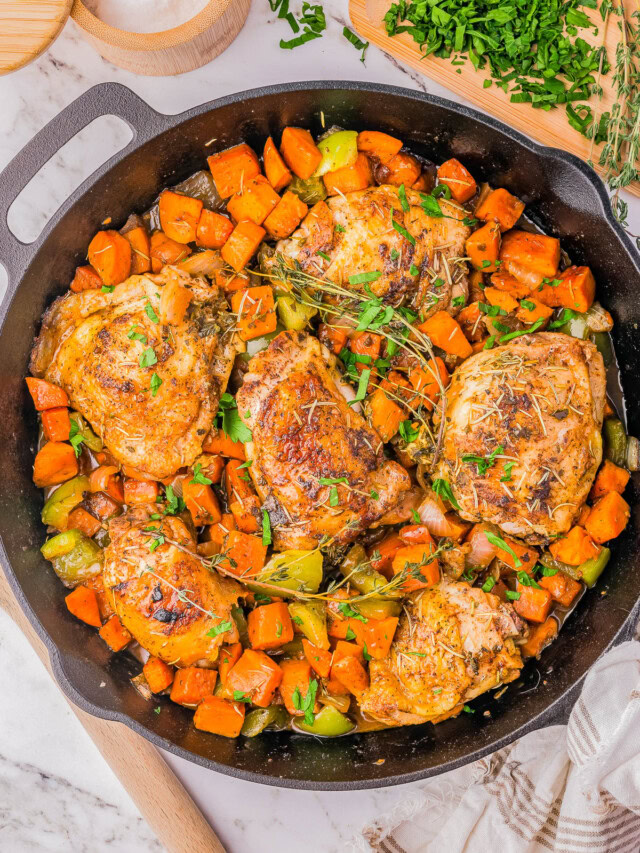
(173, 51)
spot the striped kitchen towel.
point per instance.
(566, 789)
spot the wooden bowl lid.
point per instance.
(27, 28)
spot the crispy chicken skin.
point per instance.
(541, 399)
(85, 347)
(144, 587)
(303, 430)
(453, 642)
(370, 242)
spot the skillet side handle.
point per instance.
(101, 100)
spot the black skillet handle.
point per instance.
(101, 100)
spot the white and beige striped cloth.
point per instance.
(566, 789)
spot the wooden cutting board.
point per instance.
(550, 128)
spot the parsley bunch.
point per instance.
(531, 47)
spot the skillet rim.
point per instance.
(158, 123)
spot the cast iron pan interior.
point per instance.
(561, 193)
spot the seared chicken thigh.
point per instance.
(453, 642)
(110, 350)
(367, 241)
(317, 466)
(166, 598)
(522, 433)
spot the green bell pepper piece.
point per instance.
(261, 718)
(294, 649)
(293, 314)
(615, 441)
(66, 497)
(339, 149)
(300, 571)
(237, 614)
(329, 722)
(592, 569)
(377, 608)
(82, 562)
(577, 327)
(602, 340)
(90, 439)
(310, 191)
(365, 579)
(311, 618)
(61, 544)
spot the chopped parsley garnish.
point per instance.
(356, 42)
(323, 255)
(266, 528)
(413, 270)
(333, 496)
(418, 655)
(408, 431)
(151, 314)
(306, 704)
(230, 422)
(220, 628)
(402, 195)
(175, 504)
(364, 277)
(339, 228)
(527, 304)
(76, 438)
(157, 710)
(198, 476)
(458, 301)
(512, 596)
(148, 358)
(530, 330)
(363, 384)
(394, 254)
(468, 710)
(491, 310)
(441, 191)
(374, 495)
(548, 572)
(563, 317)
(443, 489)
(507, 472)
(527, 580)
(136, 336)
(350, 635)
(107, 288)
(488, 585)
(155, 384)
(296, 619)
(483, 463)
(331, 481)
(490, 342)
(278, 629)
(403, 231)
(499, 542)
(415, 517)
(349, 613)
(365, 652)
(430, 206)
(241, 696)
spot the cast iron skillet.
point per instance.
(561, 193)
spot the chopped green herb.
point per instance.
(533, 328)
(483, 463)
(151, 314)
(408, 431)
(266, 528)
(468, 710)
(413, 270)
(296, 619)
(458, 301)
(355, 41)
(488, 585)
(363, 384)
(333, 496)
(403, 231)
(394, 254)
(364, 277)
(136, 336)
(563, 317)
(76, 438)
(148, 358)
(230, 422)
(350, 635)
(240, 696)
(331, 481)
(507, 472)
(155, 384)
(107, 288)
(527, 304)
(415, 517)
(349, 613)
(365, 652)
(402, 195)
(157, 710)
(512, 596)
(220, 628)
(548, 572)
(198, 477)
(374, 495)
(339, 228)
(430, 205)
(443, 488)
(526, 580)
(499, 542)
(323, 255)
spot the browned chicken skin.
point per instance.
(369, 242)
(541, 399)
(304, 431)
(166, 598)
(87, 346)
(453, 642)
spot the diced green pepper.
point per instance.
(551, 563)
(377, 608)
(615, 441)
(338, 150)
(237, 614)
(311, 618)
(592, 569)
(61, 544)
(329, 722)
(293, 649)
(577, 327)
(82, 562)
(310, 191)
(300, 571)
(365, 579)
(90, 439)
(55, 512)
(258, 720)
(293, 314)
(602, 340)
(257, 344)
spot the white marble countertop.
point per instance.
(56, 793)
